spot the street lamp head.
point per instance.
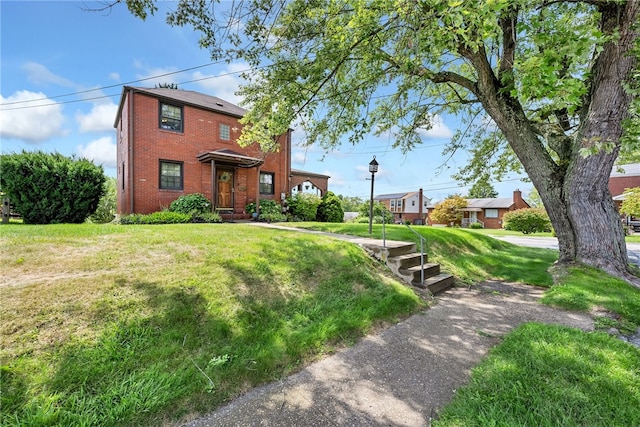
(373, 165)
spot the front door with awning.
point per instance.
(224, 178)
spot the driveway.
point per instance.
(633, 249)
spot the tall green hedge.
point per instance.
(47, 188)
(330, 208)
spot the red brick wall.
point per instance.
(618, 184)
(149, 144)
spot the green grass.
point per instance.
(467, 254)
(147, 325)
(590, 290)
(152, 325)
(549, 375)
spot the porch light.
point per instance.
(373, 168)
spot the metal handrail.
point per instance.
(422, 240)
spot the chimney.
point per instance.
(517, 199)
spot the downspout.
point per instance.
(131, 168)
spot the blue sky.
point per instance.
(62, 72)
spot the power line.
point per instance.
(106, 87)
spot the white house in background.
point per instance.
(410, 207)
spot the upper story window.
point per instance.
(171, 174)
(491, 213)
(170, 117)
(266, 183)
(225, 132)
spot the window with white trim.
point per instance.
(491, 213)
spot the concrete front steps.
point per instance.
(405, 262)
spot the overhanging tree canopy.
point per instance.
(551, 84)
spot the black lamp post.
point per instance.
(373, 168)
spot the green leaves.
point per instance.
(51, 188)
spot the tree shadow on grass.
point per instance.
(139, 366)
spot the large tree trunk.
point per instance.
(575, 190)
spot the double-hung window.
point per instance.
(171, 117)
(266, 183)
(171, 175)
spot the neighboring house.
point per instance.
(488, 212)
(621, 178)
(173, 142)
(410, 207)
(308, 182)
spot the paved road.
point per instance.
(633, 249)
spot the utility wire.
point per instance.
(108, 87)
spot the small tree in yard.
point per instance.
(50, 188)
(330, 209)
(631, 203)
(449, 210)
(527, 220)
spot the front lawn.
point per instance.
(147, 325)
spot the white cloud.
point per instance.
(150, 73)
(298, 158)
(40, 75)
(99, 119)
(438, 129)
(336, 180)
(102, 151)
(39, 121)
(224, 84)
(114, 76)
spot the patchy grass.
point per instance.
(149, 325)
(470, 256)
(590, 290)
(549, 375)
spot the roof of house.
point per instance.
(186, 97)
(632, 169)
(489, 203)
(390, 196)
(307, 173)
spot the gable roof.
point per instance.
(390, 196)
(490, 203)
(185, 97)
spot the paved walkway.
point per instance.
(403, 375)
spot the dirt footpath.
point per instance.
(403, 375)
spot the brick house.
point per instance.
(173, 142)
(489, 211)
(410, 207)
(621, 178)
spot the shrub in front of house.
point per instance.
(303, 207)
(162, 217)
(168, 217)
(270, 211)
(475, 225)
(49, 188)
(527, 220)
(330, 209)
(190, 204)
